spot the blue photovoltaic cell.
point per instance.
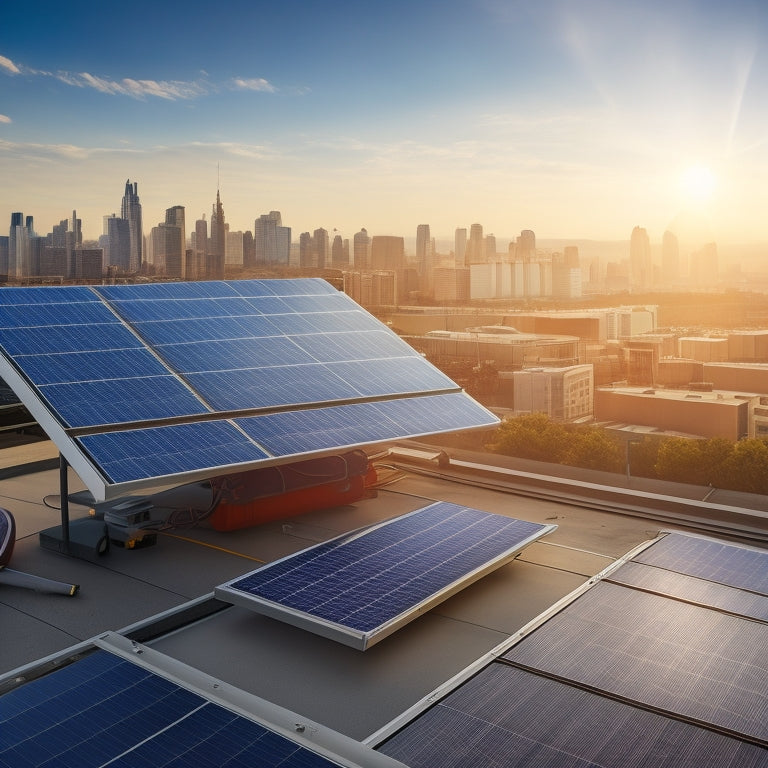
(679, 658)
(211, 289)
(181, 309)
(296, 432)
(379, 378)
(334, 302)
(92, 403)
(365, 581)
(70, 338)
(691, 589)
(229, 354)
(160, 332)
(715, 561)
(47, 295)
(324, 322)
(270, 387)
(525, 720)
(160, 451)
(60, 368)
(41, 315)
(103, 711)
(355, 345)
(107, 356)
(287, 287)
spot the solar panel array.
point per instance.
(647, 667)
(362, 586)
(150, 381)
(103, 710)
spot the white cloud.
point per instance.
(5, 119)
(137, 89)
(253, 84)
(9, 66)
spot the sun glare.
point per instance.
(697, 184)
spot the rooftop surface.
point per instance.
(162, 595)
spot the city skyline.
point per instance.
(572, 122)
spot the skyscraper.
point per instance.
(218, 245)
(475, 247)
(423, 243)
(271, 240)
(361, 247)
(387, 252)
(174, 217)
(201, 246)
(322, 248)
(460, 246)
(118, 252)
(131, 210)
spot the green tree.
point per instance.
(679, 459)
(593, 448)
(531, 436)
(747, 467)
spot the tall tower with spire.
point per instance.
(131, 211)
(218, 241)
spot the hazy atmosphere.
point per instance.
(576, 120)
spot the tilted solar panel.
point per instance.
(104, 711)
(361, 587)
(103, 368)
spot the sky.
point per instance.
(573, 118)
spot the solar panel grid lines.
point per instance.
(128, 357)
(362, 586)
(519, 719)
(717, 561)
(676, 657)
(691, 589)
(102, 710)
(635, 670)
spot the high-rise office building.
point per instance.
(131, 210)
(423, 248)
(201, 247)
(361, 249)
(640, 266)
(460, 246)
(306, 250)
(265, 237)
(218, 245)
(118, 239)
(340, 253)
(387, 252)
(174, 217)
(322, 248)
(525, 246)
(475, 246)
(271, 240)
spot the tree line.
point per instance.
(739, 466)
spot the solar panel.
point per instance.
(101, 368)
(622, 675)
(104, 711)
(691, 589)
(680, 658)
(361, 587)
(510, 718)
(717, 561)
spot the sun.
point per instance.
(697, 184)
